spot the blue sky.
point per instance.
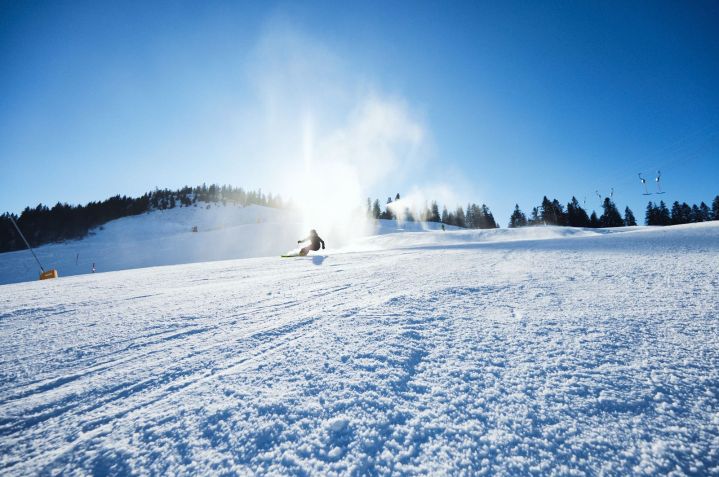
(514, 100)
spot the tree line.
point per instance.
(474, 217)
(574, 215)
(659, 214)
(43, 224)
(552, 212)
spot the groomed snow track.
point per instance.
(583, 355)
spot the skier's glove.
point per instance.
(323, 246)
(299, 241)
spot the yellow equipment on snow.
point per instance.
(49, 274)
(44, 275)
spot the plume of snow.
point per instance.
(326, 137)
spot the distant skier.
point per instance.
(314, 245)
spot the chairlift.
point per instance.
(658, 181)
(644, 183)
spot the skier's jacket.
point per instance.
(315, 239)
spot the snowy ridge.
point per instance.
(579, 355)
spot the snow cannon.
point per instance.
(44, 275)
(48, 274)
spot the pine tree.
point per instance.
(685, 213)
(715, 208)
(594, 220)
(629, 219)
(434, 217)
(651, 216)
(534, 220)
(477, 218)
(489, 221)
(469, 218)
(677, 214)
(576, 215)
(459, 218)
(214, 193)
(518, 219)
(696, 214)
(376, 212)
(445, 215)
(549, 216)
(705, 212)
(663, 216)
(559, 214)
(611, 216)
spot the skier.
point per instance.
(314, 245)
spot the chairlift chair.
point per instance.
(644, 183)
(658, 181)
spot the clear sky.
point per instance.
(494, 102)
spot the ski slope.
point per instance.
(541, 351)
(165, 237)
(161, 237)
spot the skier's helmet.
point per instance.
(313, 232)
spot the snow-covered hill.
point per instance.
(162, 237)
(166, 237)
(542, 351)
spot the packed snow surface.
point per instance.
(443, 353)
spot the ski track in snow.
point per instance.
(572, 356)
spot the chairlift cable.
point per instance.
(689, 154)
(680, 150)
(684, 154)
